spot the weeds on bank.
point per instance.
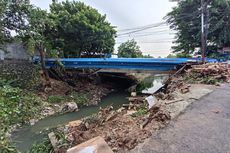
(142, 110)
(16, 107)
(46, 147)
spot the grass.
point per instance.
(55, 99)
(142, 110)
(79, 98)
(46, 147)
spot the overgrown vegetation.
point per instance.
(46, 147)
(19, 74)
(144, 84)
(16, 107)
(78, 98)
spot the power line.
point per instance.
(146, 35)
(142, 29)
(149, 42)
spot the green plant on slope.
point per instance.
(16, 107)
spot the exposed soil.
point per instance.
(120, 130)
(123, 130)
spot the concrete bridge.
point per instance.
(153, 64)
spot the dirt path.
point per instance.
(203, 128)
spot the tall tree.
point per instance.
(35, 36)
(13, 14)
(129, 49)
(80, 30)
(185, 19)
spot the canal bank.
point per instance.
(26, 136)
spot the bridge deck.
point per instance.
(158, 64)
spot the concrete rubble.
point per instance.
(95, 145)
(125, 128)
(210, 73)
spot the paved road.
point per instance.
(203, 128)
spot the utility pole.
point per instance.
(202, 32)
(204, 27)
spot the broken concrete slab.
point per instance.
(53, 141)
(95, 145)
(152, 100)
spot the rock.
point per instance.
(32, 122)
(151, 101)
(53, 141)
(57, 106)
(48, 111)
(69, 107)
(133, 94)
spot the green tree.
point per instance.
(35, 36)
(185, 19)
(13, 15)
(80, 30)
(129, 49)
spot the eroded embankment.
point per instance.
(23, 99)
(126, 128)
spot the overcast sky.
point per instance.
(135, 13)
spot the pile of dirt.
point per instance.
(119, 129)
(211, 73)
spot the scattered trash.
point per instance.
(151, 101)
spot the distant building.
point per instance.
(226, 50)
(2, 55)
(14, 51)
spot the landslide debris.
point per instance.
(210, 73)
(119, 128)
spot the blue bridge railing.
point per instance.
(160, 64)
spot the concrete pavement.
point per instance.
(203, 128)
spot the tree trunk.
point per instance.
(45, 74)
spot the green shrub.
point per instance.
(79, 98)
(56, 99)
(140, 112)
(16, 107)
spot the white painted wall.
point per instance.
(14, 51)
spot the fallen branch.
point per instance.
(174, 101)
